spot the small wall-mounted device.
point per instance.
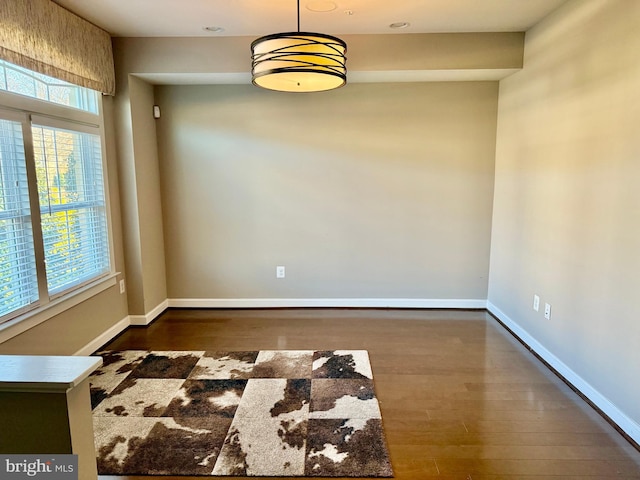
(156, 111)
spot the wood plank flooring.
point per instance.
(460, 397)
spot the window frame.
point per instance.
(21, 120)
(16, 106)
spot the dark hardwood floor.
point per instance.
(460, 397)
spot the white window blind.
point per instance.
(18, 278)
(72, 206)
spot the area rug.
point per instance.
(256, 413)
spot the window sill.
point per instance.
(35, 317)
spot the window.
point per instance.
(54, 235)
(19, 80)
(72, 206)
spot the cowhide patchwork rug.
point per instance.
(266, 413)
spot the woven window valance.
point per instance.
(44, 37)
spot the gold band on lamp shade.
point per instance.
(298, 62)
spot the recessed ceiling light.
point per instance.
(321, 6)
(213, 29)
(399, 25)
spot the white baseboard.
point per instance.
(327, 303)
(147, 318)
(104, 337)
(119, 327)
(629, 426)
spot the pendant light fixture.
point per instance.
(298, 61)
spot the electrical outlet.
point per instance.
(547, 311)
(122, 287)
(536, 303)
(280, 272)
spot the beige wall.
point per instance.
(71, 331)
(128, 196)
(566, 222)
(140, 191)
(151, 267)
(370, 191)
(366, 53)
(142, 61)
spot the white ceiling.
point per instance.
(162, 18)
